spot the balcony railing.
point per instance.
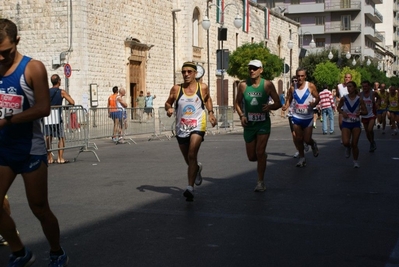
(339, 27)
(342, 6)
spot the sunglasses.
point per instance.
(253, 68)
(294, 81)
(186, 71)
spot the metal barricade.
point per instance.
(67, 127)
(141, 121)
(225, 119)
(135, 122)
(166, 124)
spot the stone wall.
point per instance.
(93, 32)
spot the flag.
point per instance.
(219, 11)
(245, 25)
(267, 23)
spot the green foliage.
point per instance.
(239, 59)
(326, 73)
(393, 81)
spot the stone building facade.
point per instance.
(133, 44)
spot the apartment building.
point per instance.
(350, 26)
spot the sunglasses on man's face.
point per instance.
(253, 68)
(186, 71)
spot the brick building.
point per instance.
(134, 44)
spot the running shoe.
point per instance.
(395, 132)
(198, 179)
(373, 146)
(27, 260)
(315, 149)
(188, 195)
(306, 146)
(296, 154)
(58, 260)
(260, 187)
(348, 152)
(3, 242)
(356, 164)
(301, 163)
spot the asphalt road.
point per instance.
(128, 209)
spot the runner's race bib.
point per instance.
(301, 109)
(256, 116)
(187, 125)
(353, 118)
(10, 104)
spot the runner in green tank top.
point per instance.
(252, 106)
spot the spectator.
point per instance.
(149, 102)
(327, 107)
(57, 95)
(114, 113)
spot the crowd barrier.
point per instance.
(68, 124)
(79, 127)
(135, 122)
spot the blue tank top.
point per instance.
(21, 138)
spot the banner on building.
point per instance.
(245, 25)
(220, 11)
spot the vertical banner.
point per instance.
(245, 25)
(220, 11)
(267, 23)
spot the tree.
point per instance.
(326, 73)
(239, 59)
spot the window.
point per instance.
(345, 23)
(295, 19)
(195, 27)
(295, 2)
(320, 42)
(319, 1)
(319, 20)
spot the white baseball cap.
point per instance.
(256, 63)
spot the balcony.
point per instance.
(396, 7)
(304, 8)
(373, 14)
(396, 37)
(338, 27)
(341, 7)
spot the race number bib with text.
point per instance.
(10, 104)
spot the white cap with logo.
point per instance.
(256, 63)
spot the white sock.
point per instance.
(190, 188)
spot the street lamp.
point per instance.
(348, 56)
(206, 24)
(330, 55)
(290, 45)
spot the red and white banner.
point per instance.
(220, 11)
(245, 25)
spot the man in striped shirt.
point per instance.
(327, 107)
